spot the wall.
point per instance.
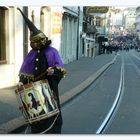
(71, 40)
(9, 71)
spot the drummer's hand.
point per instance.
(50, 71)
(20, 84)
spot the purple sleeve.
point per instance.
(28, 63)
(58, 61)
(53, 58)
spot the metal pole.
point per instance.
(25, 34)
(77, 50)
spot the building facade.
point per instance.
(137, 24)
(70, 37)
(62, 25)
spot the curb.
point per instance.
(12, 125)
(81, 87)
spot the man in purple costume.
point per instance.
(42, 58)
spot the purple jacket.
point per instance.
(51, 54)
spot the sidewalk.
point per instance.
(80, 74)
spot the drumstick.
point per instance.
(45, 72)
(38, 77)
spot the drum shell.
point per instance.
(36, 101)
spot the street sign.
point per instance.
(97, 9)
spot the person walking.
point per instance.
(42, 58)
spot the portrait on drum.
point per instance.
(39, 76)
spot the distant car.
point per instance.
(138, 49)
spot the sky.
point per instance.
(126, 3)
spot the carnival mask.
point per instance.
(38, 44)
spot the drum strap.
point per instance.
(50, 125)
(46, 129)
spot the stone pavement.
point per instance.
(80, 74)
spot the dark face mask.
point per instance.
(39, 44)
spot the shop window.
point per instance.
(2, 36)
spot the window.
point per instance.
(2, 36)
(98, 21)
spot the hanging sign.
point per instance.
(56, 22)
(97, 9)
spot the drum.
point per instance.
(37, 101)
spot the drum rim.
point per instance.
(43, 116)
(29, 85)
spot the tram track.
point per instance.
(106, 115)
(115, 105)
(113, 109)
(126, 120)
(135, 65)
(106, 120)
